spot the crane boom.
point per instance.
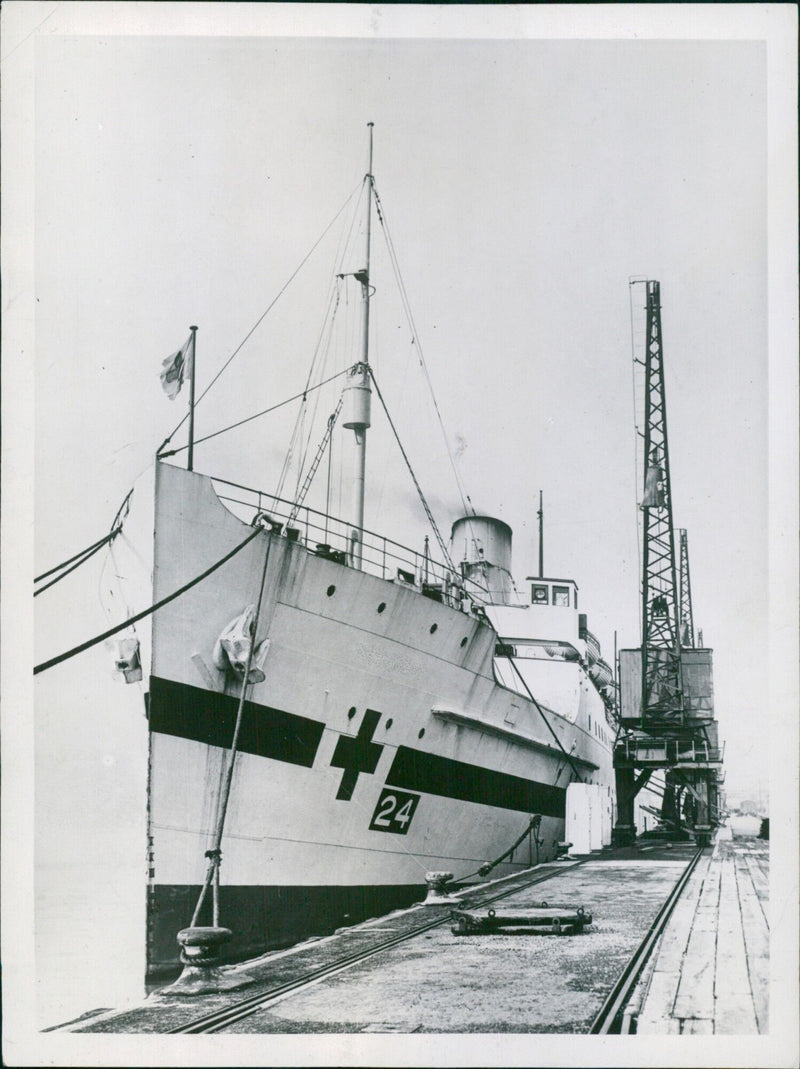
(662, 698)
(686, 618)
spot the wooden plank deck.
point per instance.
(710, 972)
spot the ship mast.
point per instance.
(357, 392)
(540, 514)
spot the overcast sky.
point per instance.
(181, 178)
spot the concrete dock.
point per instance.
(438, 982)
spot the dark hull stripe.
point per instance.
(209, 717)
(206, 716)
(415, 770)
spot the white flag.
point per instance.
(176, 368)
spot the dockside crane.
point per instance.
(667, 707)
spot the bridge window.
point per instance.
(539, 595)
(561, 595)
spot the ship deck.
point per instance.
(708, 972)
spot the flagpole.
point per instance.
(190, 463)
(540, 514)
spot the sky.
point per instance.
(182, 181)
(182, 177)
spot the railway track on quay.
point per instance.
(406, 972)
(221, 1019)
(612, 1018)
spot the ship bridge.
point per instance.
(542, 637)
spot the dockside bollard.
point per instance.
(437, 887)
(202, 973)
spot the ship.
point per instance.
(332, 716)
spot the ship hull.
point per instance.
(378, 746)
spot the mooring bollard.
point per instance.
(202, 972)
(437, 887)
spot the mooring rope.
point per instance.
(85, 555)
(214, 855)
(145, 612)
(487, 866)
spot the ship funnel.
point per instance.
(483, 545)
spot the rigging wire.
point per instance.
(323, 445)
(257, 415)
(539, 709)
(428, 512)
(323, 347)
(327, 325)
(415, 340)
(326, 352)
(259, 321)
(145, 612)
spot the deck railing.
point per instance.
(333, 538)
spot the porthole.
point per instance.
(331, 590)
(420, 733)
(351, 712)
(382, 606)
(463, 642)
(434, 627)
(389, 723)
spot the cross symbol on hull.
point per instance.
(357, 754)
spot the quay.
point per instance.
(708, 972)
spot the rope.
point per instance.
(214, 855)
(116, 527)
(299, 424)
(539, 709)
(145, 612)
(415, 340)
(90, 552)
(329, 324)
(84, 553)
(260, 320)
(247, 419)
(428, 512)
(487, 867)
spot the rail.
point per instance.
(333, 538)
(224, 1018)
(609, 1020)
